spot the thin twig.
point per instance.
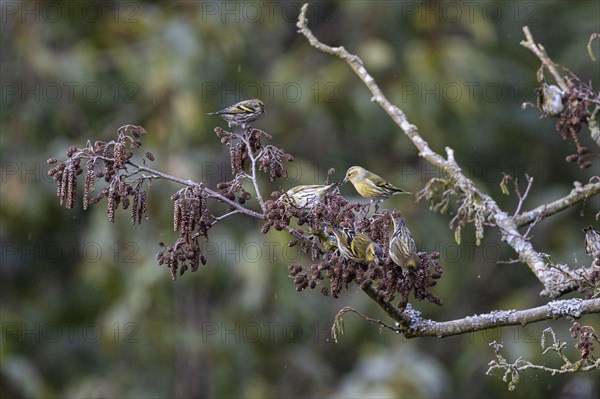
(217, 219)
(578, 193)
(337, 327)
(532, 225)
(400, 317)
(210, 192)
(522, 197)
(253, 175)
(540, 52)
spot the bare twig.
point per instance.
(578, 193)
(217, 219)
(338, 325)
(253, 173)
(522, 196)
(402, 318)
(589, 45)
(191, 183)
(540, 52)
(512, 370)
(532, 225)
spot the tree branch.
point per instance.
(412, 325)
(540, 52)
(253, 178)
(403, 318)
(579, 193)
(210, 192)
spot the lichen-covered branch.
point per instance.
(578, 193)
(410, 323)
(572, 308)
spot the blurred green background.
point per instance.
(86, 311)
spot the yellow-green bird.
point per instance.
(549, 100)
(307, 196)
(356, 247)
(242, 113)
(371, 186)
(403, 249)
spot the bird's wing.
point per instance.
(241, 109)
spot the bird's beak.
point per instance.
(345, 179)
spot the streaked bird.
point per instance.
(242, 113)
(403, 249)
(592, 242)
(549, 100)
(356, 246)
(371, 186)
(307, 196)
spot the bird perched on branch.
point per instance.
(307, 196)
(356, 246)
(371, 186)
(549, 100)
(403, 249)
(242, 113)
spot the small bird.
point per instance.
(356, 247)
(370, 185)
(549, 100)
(592, 242)
(242, 113)
(403, 250)
(307, 196)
